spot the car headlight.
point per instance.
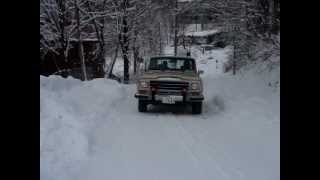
(195, 86)
(144, 84)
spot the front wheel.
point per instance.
(196, 107)
(142, 106)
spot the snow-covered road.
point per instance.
(92, 130)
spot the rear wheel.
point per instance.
(142, 106)
(196, 107)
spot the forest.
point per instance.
(91, 34)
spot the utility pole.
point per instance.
(234, 61)
(160, 46)
(176, 28)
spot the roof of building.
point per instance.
(173, 57)
(203, 33)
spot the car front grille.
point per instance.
(169, 93)
(169, 85)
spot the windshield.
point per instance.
(176, 64)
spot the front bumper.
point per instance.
(141, 96)
(186, 98)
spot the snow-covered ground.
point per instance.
(93, 130)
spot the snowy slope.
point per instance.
(92, 130)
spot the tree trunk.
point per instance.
(124, 42)
(135, 50)
(100, 36)
(235, 48)
(62, 24)
(80, 45)
(125, 52)
(113, 61)
(275, 17)
(135, 58)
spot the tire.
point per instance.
(196, 107)
(142, 106)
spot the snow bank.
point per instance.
(93, 130)
(63, 127)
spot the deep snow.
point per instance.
(92, 130)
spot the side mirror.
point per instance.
(200, 72)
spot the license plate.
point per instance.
(170, 99)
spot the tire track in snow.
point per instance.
(199, 155)
(188, 147)
(210, 155)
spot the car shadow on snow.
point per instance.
(174, 109)
(213, 105)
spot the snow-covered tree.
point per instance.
(251, 24)
(62, 21)
(133, 24)
(141, 28)
(55, 26)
